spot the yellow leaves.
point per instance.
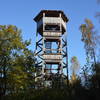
(89, 24)
(89, 35)
(12, 29)
(9, 29)
(16, 40)
(87, 32)
(73, 78)
(10, 37)
(18, 43)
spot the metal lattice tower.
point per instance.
(51, 52)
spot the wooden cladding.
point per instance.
(51, 21)
(54, 34)
(52, 57)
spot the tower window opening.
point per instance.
(52, 68)
(52, 47)
(52, 27)
(51, 14)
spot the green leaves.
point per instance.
(16, 60)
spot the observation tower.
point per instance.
(51, 44)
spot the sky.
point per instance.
(22, 12)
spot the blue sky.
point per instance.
(22, 12)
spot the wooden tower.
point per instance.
(51, 45)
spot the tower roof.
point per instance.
(50, 13)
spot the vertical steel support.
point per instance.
(43, 63)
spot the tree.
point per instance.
(95, 78)
(16, 60)
(74, 67)
(9, 42)
(90, 39)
